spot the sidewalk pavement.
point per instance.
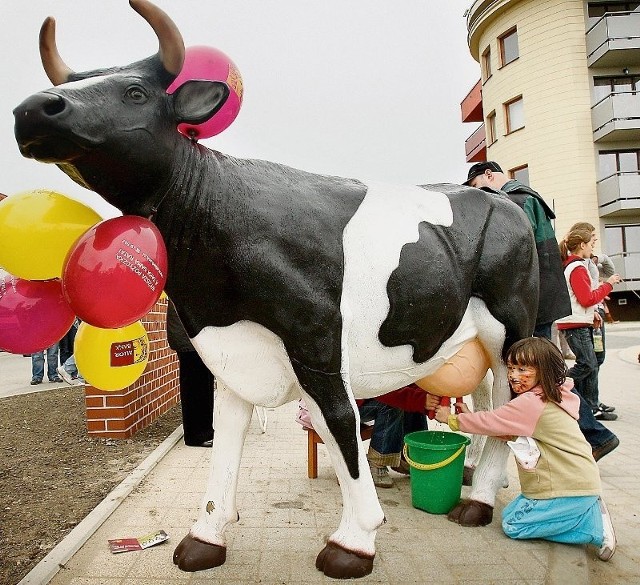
(286, 517)
(16, 376)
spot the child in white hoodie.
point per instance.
(560, 498)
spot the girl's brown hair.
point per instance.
(545, 357)
(573, 239)
(582, 225)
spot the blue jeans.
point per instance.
(600, 355)
(390, 426)
(37, 363)
(543, 330)
(585, 370)
(571, 520)
(71, 368)
(592, 429)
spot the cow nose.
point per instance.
(41, 104)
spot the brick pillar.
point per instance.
(119, 415)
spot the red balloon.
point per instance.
(115, 272)
(33, 314)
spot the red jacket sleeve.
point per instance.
(410, 398)
(581, 285)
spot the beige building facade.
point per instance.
(559, 108)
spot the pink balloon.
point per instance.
(211, 65)
(33, 314)
(115, 272)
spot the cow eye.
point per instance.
(136, 94)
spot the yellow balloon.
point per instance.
(38, 229)
(111, 359)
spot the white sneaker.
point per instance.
(67, 377)
(605, 552)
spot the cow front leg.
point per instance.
(205, 546)
(350, 550)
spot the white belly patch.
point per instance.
(250, 360)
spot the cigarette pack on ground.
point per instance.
(120, 545)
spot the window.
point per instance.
(514, 114)
(520, 174)
(604, 86)
(491, 128)
(509, 47)
(485, 64)
(597, 9)
(618, 161)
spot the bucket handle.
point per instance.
(431, 466)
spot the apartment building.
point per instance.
(558, 106)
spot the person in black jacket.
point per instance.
(196, 385)
(554, 300)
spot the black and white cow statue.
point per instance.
(293, 284)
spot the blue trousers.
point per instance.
(37, 363)
(585, 371)
(592, 429)
(71, 368)
(600, 355)
(572, 520)
(390, 426)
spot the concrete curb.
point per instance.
(47, 568)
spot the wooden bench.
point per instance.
(313, 439)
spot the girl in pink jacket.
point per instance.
(560, 498)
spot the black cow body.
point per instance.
(291, 283)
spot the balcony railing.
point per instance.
(617, 117)
(614, 40)
(476, 145)
(619, 195)
(471, 106)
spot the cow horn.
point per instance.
(54, 66)
(171, 44)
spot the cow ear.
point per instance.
(197, 100)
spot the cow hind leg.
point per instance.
(481, 400)
(489, 475)
(350, 550)
(205, 546)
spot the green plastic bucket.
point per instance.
(436, 460)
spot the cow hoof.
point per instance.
(471, 513)
(195, 555)
(339, 563)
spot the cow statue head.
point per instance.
(72, 124)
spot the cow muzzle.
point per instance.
(42, 131)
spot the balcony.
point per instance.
(475, 146)
(617, 117)
(471, 106)
(614, 40)
(619, 195)
(628, 267)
